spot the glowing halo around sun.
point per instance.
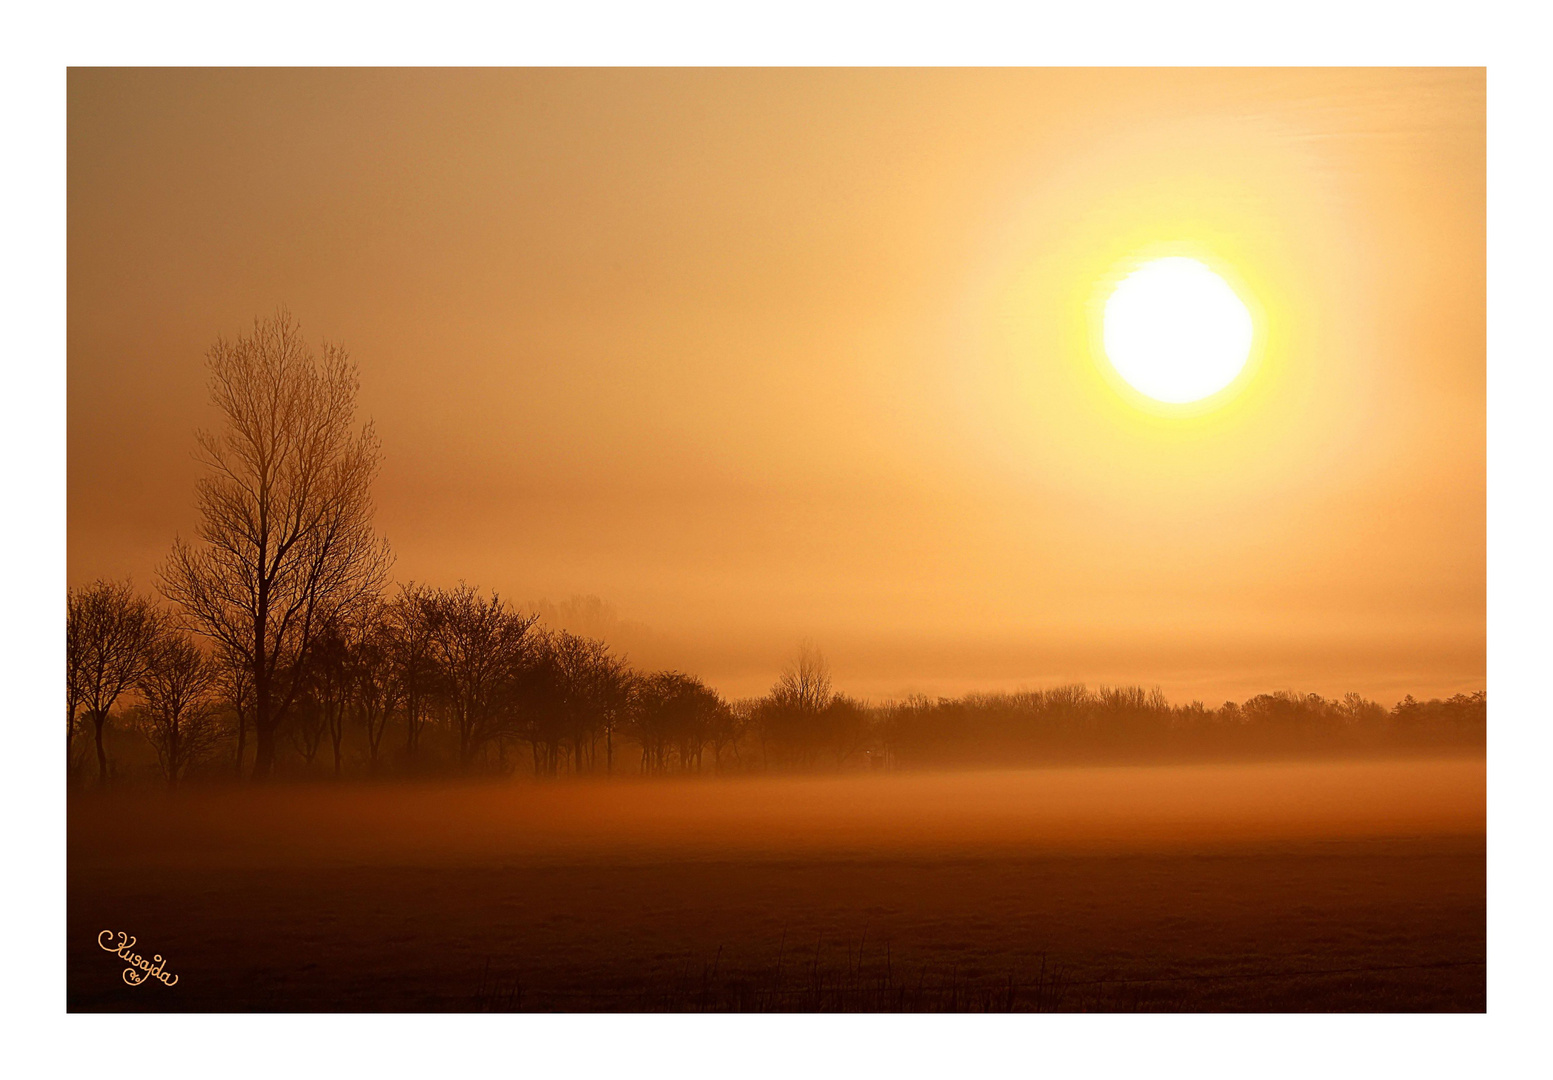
(1176, 331)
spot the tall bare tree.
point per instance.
(109, 633)
(285, 537)
(178, 716)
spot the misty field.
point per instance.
(1272, 886)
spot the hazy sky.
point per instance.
(759, 355)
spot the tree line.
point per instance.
(277, 643)
(1120, 723)
(431, 680)
(456, 668)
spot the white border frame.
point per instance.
(1509, 38)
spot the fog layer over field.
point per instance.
(1109, 809)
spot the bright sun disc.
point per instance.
(1176, 331)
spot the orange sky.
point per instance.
(757, 355)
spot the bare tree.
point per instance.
(727, 731)
(480, 646)
(330, 681)
(178, 717)
(539, 693)
(109, 632)
(610, 694)
(795, 716)
(591, 697)
(674, 715)
(375, 686)
(305, 725)
(285, 536)
(412, 650)
(805, 679)
(848, 727)
(235, 684)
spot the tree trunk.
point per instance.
(263, 722)
(336, 733)
(242, 739)
(99, 717)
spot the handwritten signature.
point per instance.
(140, 969)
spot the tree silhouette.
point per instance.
(610, 690)
(480, 645)
(591, 695)
(538, 695)
(305, 725)
(285, 536)
(177, 715)
(478, 676)
(109, 634)
(235, 684)
(794, 716)
(673, 717)
(331, 681)
(407, 637)
(375, 686)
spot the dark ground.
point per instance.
(1343, 917)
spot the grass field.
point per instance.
(1330, 886)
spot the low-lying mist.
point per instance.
(1071, 809)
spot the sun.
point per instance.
(1176, 331)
